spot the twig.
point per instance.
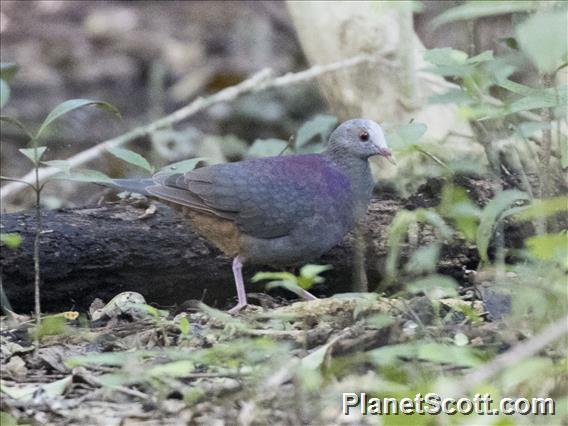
(235, 375)
(37, 277)
(546, 116)
(263, 80)
(23, 182)
(277, 334)
(521, 351)
(123, 389)
(434, 158)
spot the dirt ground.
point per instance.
(134, 365)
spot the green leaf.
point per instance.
(433, 218)
(320, 125)
(284, 276)
(542, 208)
(315, 359)
(434, 286)
(85, 175)
(183, 166)
(105, 358)
(223, 317)
(34, 154)
(542, 37)
(53, 325)
(131, 157)
(452, 96)
(4, 93)
(424, 259)
(458, 207)
(379, 320)
(519, 89)
(396, 232)
(545, 98)
(184, 326)
(449, 354)
(71, 105)
(528, 371)
(435, 352)
(528, 128)
(482, 57)
(406, 136)
(491, 215)
(480, 9)
(7, 419)
(8, 70)
(564, 152)
(445, 56)
(312, 271)
(112, 380)
(549, 247)
(17, 123)
(174, 369)
(310, 275)
(62, 165)
(399, 227)
(12, 240)
(26, 392)
(267, 147)
(144, 308)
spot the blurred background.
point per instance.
(149, 60)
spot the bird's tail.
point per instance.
(137, 185)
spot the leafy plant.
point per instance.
(12, 240)
(35, 154)
(404, 224)
(316, 129)
(309, 276)
(491, 215)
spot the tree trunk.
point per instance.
(100, 251)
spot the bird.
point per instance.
(279, 210)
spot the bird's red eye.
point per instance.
(364, 136)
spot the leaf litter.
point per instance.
(131, 363)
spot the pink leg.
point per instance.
(241, 293)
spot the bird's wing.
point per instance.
(266, 198)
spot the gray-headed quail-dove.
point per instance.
(277, 210)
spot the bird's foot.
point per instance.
(237, 308)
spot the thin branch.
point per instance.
(552, 333)
(434, 158)
(23, 182)
(263, 80)
(546, 116)
(37, 272)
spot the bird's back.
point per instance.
(273, 207)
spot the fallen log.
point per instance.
(100, 251)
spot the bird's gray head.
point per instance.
(359, 137)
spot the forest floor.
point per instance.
(279, 364)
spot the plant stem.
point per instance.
(407, 72)
(546, 114)
(36, 260)
(360, 281)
